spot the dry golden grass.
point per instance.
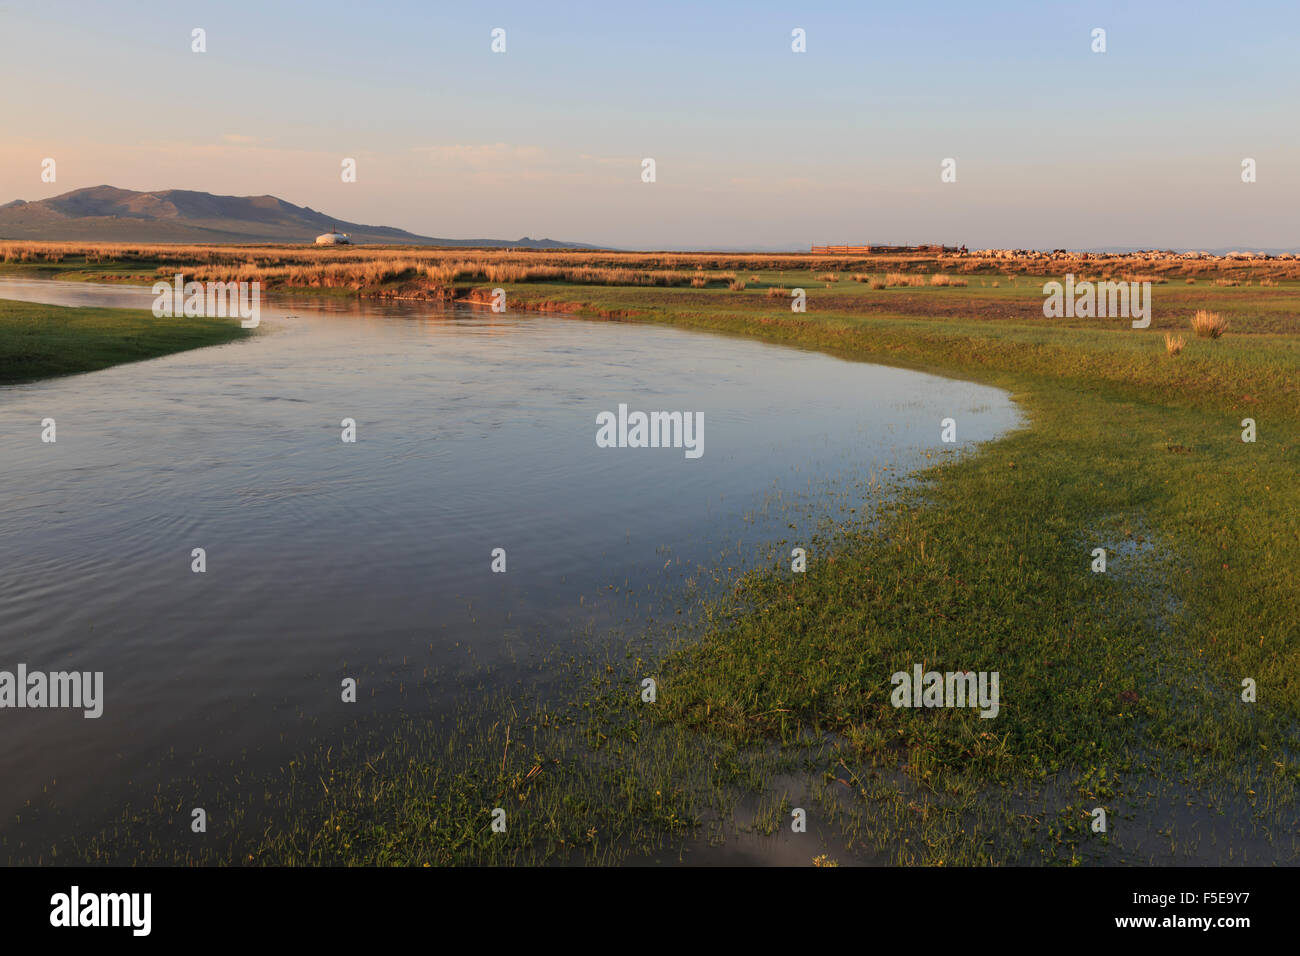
(377, 272)
(776, 292)
(1174, 343)
(899, 279)
(1208, 325)
(737, 285)
(408, 269)
(946, 280)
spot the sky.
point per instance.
(754, 145)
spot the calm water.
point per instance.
(327, 560)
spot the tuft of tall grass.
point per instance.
(1208, 325)
(1174, 343)
(902, 279)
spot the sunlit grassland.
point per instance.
(431, 272)
(39, 341)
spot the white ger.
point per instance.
(335, 238)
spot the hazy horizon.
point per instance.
(756, 147)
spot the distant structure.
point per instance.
(882, 250)
(334, 238)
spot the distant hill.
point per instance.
(109, 214)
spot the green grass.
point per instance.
(78, 269)
(40, 341)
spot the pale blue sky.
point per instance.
(755, 146)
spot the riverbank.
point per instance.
(42, 341)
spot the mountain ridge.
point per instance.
(112, 214)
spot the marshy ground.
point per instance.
(1121, 691)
